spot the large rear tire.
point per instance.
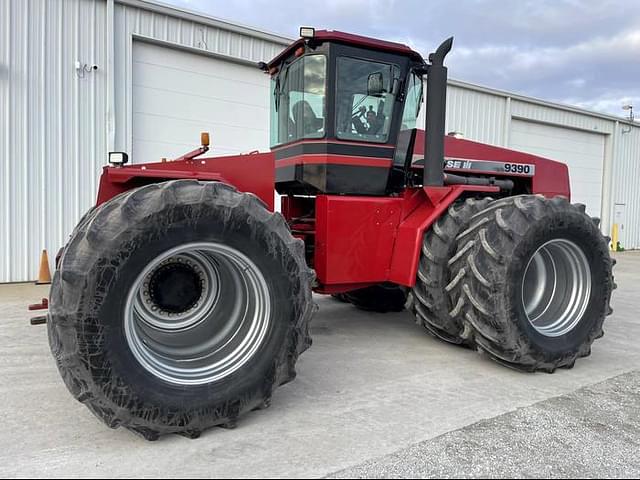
(534, 278)
(429, 300)
(179, 306)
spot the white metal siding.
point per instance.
(177, 94)
(626, 182)
(53, 125)
(546, 114)
(52, 135)
(478, 116)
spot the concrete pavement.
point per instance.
(371, 385)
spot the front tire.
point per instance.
(534, 276)
(178, 307)
(430, 301)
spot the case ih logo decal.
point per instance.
(522, 169)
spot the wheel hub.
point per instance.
(175, 287)
(197, 313)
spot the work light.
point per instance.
(307, 32)
(117, 159)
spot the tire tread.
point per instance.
(492, 235)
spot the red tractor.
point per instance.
(182, 299)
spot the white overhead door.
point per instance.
(582, 151)
(178, 94)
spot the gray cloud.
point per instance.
(583, 52)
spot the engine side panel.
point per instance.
(551, 178)
(354, 238)
(361, 241)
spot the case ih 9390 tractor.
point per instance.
(182, 300)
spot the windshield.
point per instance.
(363, 114)
(298, 101)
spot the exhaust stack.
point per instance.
(436, 109)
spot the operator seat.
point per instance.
(305, 119)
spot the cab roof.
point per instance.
(352, 40)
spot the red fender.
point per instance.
(253, 173)
(431, 202)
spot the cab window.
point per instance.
(364, 112)
(298, 100)
(412, 103)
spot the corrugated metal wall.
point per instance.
(545, 114)
(479, 116)
(54, 125)
(53, 136)
(626, 181)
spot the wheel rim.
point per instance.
(197, 313)
(556, 287)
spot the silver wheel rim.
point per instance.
(556, 287)
(197, 313)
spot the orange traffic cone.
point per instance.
(44, 276)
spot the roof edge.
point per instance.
(203, 18)
(541, 102)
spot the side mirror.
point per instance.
(375, 85)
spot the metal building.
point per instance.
(80, 78)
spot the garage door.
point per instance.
(582, 151)
(178, 94)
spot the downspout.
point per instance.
(608, 190)
(111, 101)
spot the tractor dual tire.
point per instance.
(121, 361)
(430, 302)
(534, 277)
(381, 298)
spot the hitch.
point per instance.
(40, 319)
(44, 304)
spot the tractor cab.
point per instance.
(339, 105)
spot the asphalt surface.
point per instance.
(375, 396)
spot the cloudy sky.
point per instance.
(581, 52)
